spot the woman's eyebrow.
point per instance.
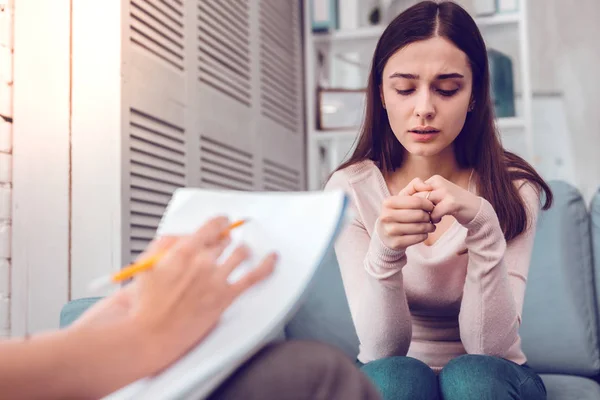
(440, 77)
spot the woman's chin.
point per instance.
(423, 149)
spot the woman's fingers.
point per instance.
(416, 185)
(405, 241)
(408, 203)
(211, 233)
(238, 256)
(445, 207)
(405, 216)
(262, 271)
(404, 229)
(158, 245)
(188, 247)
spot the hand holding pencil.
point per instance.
(175, 303)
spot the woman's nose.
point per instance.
(424, 107)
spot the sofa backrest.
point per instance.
(325, 316)
(560, 323)
(595, 228)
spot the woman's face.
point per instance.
(426, 90)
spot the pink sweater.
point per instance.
(429, 302)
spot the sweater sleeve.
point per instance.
(490, 314)
(372, 277)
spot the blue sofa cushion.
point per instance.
(73, 309)
(563, 387)
(595, 227)
(324, 315)
(559, 329)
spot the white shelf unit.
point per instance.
(516, 132)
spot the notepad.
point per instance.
(300, 227)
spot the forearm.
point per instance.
(375, 290)
(383, 263)
(382, 317)
(84, 362)
(488, 318)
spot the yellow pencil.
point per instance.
(149, 262)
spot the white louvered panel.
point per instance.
(280, 60)
(157, 16)
(157, 168)
(282, 17)
(281, 126)
(149, 195)
(146, 222)
(150, 184)
(157, 27)
(216, 69)
(224, 49)
(223, 166)
(279, 177)
(230, 30)
(142, 234)
(235, 6)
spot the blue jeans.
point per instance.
(468, 377)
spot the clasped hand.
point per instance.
(410, 216)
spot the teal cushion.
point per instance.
(564, 387)
(559, 329)
(325, 315)
(595, 227)
(73, 309)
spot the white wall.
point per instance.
(565, 60)
(41, 165)
(6, 79)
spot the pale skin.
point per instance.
(426, 86)
(139, 330)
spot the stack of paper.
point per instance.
(300, 227)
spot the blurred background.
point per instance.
(105, 109)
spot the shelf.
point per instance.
(371, 33)
(366, 33)
(499, 19)
(510, 123)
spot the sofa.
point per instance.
(560, 328)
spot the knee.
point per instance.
(472, 377)
(402, 378)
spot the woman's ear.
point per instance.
(381, 96)
(471, 105)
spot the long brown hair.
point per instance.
(478, 145)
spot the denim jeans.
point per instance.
(468, 377)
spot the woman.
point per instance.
(149, 324)
(436, 260)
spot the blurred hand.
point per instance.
(404, 219)
(177, 303)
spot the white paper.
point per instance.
(299, 226)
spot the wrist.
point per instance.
(106, 358)
(383, 252)
(470, 209)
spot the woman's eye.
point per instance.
(404, 92)
(447, 93)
